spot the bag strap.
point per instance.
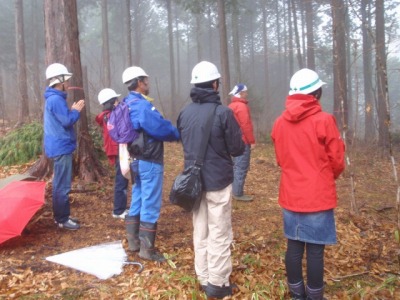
(206, 137)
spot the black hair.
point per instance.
(317, 93)
(134, 83)
(109, 105)
(207, 85)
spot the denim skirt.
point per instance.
(317, 227)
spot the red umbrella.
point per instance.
(19, 201)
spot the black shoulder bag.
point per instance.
(187, 189)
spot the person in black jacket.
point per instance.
(212, 234)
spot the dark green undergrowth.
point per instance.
(21, 145)
(24, 144)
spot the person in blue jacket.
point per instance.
(148, 165)
(60, 140)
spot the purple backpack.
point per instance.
(120, 126)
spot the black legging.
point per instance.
(315, 263)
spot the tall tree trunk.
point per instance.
(223, 51)
(370, 132)
(35, 64)
(178, 58)
(174, 113)
(279, 38)
(310, 34)
(23, 108)
(3, 114)
(290, 41)
(381, 75)
(296, 33)
(105, 44)
(339, 63)
(62, 45)
(236, 44)
(137, 32)
(128, 32)
(349, 72)
(199, 36)
(266, 115)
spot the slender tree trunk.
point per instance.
(23, 109)
(339, 63)
(296, 33)
(137, 32)
(266, 115)
(223, 51)
(303, 30)
(35, 65)
(105, 44)
(3, 113)
(236, 44)
(199, 37)
(381, 74)
(128, 31)
(290, 42)
(178, 59)
(279, 37)
(370, 132)
(310, 35)
(171, 61)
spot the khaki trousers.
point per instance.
(212, 237)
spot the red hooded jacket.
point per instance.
(242, 115)
(310, 152)
(110, 147)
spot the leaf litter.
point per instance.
(363, 265)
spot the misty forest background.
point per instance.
(353, 44)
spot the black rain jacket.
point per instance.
(225, 138)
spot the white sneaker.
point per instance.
(121, 216)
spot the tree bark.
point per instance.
(369, 111)
(174, 113)
(236, 44)
(297, 37)
(381, 76)
(223, 52)
(310, 35)
(339, 63)
(23, 108)
(128, 32)
(62, 45)
(105, 44)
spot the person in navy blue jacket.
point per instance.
(148, 165)
(60, 140)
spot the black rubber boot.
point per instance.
(297, 291)
(219, 292)
(147, 236)
(132, 232)
(315, 294)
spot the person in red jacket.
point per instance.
(241, 110)
(310, 153)
(108, 97)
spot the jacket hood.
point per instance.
(299, 107)
(200, 95)
(51, 91)
(100, 117)
(237, 99)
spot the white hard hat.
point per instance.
(132, 73)
(57, 73)
(204, 71)
(305, 81)
(107, 94)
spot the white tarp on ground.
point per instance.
(102, 261)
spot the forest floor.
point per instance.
(363, 265)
